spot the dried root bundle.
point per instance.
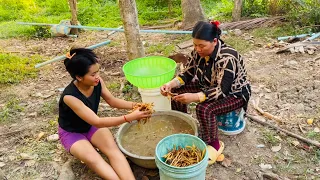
(143, 107)
(182, 157)
(170, 94)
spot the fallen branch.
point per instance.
(256, 119)
(265, 114)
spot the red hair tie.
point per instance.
(217, 23)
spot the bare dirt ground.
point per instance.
(287, 85)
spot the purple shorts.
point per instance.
(67, 139)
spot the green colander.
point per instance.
(149, 72)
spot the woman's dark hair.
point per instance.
(206, 31)
(80, 61)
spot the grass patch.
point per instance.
(113, 86)
(114, 44)
(164, 49)
(10, 109)
(12, 29)
(14, 68)
(179, 38)
(269, 137)
(277, 31)
(313, 135)
(39, 148)
(238, 43)
(49, 108)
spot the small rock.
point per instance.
(310, 51)
(265, 166)
(247, 38)
(260, 146)
(237, 32)
(2, 164)
(317, 130)
(292, 50)
(33, 115)
(53, 137)
(292, 62)
(301, 49)
(66, 172)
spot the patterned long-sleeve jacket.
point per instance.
(221, 74)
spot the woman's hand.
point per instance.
(137, 115)
(186, 98)
(167, 87)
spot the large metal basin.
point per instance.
(148, 161)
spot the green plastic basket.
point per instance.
(149, 72)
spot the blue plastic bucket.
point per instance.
(193, 172)
(232, 123)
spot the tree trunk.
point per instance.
(237, 9)
(128, 11)
(191, 13)
(74, 19)
(170, 7)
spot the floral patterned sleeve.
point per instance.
(225, 74)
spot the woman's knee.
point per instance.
(204, 109)
(91, 158)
